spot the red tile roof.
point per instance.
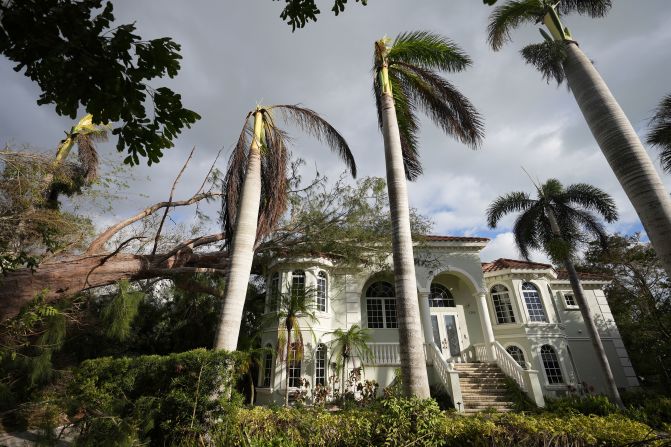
(431, 237)
(503, 263)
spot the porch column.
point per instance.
(487, 331)
(425, 315)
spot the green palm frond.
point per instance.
(274, 162)
(350, 343)
(443, 103)
(591, 198)
(548, 58)
(527, 230)
(660, 132)
(509, 16)
(427, 50)
(234, 179)
(408, 127)
(509, 203)
(592, 8)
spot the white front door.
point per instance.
(446, 332)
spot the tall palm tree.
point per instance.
(255, 197)
(560, 57)
(84, 134)
(557, 222)
(660, 134)
(406, 79)
(295, 307)
(347, 344)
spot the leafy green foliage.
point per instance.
(119, 313)
(639, 296)
(70, 49)
(548, 58)
(583, 404)
(660, 132)
(297, 13)
(160, 400)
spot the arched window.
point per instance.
(532, 299)
(320, 365)
(294, 366)
(267, 367)
(322, 291)
(274, 291)
(440, 296)
(381, 305)
(517, 354)
(297, 283)
(551, 365)
(503, 308)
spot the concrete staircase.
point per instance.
(483, 387)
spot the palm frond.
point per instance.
(509, 203)
(506, 17)
(590, 226)
(273, 177)
(233, 181)
(442, 102)
(526, 230)
(591, 198)
(548, 58)
(592, 8)
(429, 51)
(310, 121)
(660, 132)
(408, 127)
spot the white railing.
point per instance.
(527, 379)
(447, 374)
(383, 354)
(481, 352)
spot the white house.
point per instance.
(481, 323)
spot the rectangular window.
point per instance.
(503, 308)
(267, 370)
(375, 314)
(320, 366)
(390, 313)
(322, 291)
(294, 369)
(534, 304)
(569, 299)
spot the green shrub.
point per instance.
(648, 407)
(596, 404)
(160, 399)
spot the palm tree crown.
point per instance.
(660, 134)
(573, 209)
(408, 68)
(350, 343)
(274, 160)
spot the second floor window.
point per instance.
(322, 291)
(503, 308)
(381, 305)
(274, 291)
(297, 283)
(532, 299)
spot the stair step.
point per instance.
(475, 400)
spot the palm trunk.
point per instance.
(411, 343)
(623, 150)
(242, 248)
(286, 370)
(592, 330)
(61, 154)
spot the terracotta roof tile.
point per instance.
(503, 263)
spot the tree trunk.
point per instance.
(65, 277)
(592, 330)
(411, 343)
(623, 150)
(242, 247)
(286, 370)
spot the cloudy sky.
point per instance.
(239, 54)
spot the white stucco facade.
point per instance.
(516, 314)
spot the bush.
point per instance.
(648, 407)
(596, 404)
(158, 399)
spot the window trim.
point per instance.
(451, 303)
(321, 347)
(540, 300)
(383, 305)
(562, 295)
(267, 370)
(291, 368)
(322, 275)
(510, 303)
(294, 274)
(274, 294)
(525, 363)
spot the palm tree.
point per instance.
(347, 344)
(560, 57)
(660, 134)
(297, 305)
(255, 197)
(85, 134)
(406, 79)
(557, 222)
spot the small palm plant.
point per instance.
(255, 197)
(345, 345)
(296, 312)
(557, 222)
(406, 79)
(560, 58)
(84, 134)
(660, 134)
